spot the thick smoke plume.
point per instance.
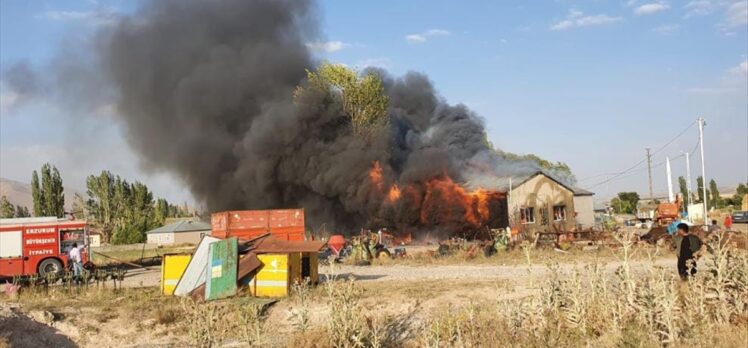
(205, 89)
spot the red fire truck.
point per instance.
(39, 245)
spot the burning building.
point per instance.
(539, 202)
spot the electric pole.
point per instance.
(688, 181)
(703, 167)
(649, 169)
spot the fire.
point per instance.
(446, 201)
(394, 194)
(437, 202)
(375, 174)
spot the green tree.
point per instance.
(53, 198)
(625, 203)
(362, 97)
(716, 200)
(683, 188)
(58, 194)
(37, 195)
(160, 211)
(100, 204)
(22, 212)
(123, 212)
(700, 188)
(557, 167)
(737, 199)
(7, 210)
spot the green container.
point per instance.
(220, 279)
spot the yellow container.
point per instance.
(278, 273)
(172, 268)
(310, 267)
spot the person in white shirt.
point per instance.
(75, 257)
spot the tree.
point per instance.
(22, 212)
(49, 199)
(100, 190)
(700, 188)
(161, 211)
(37, 196)
(362, 97)
(716, 200)
(737, 199)
(58, 194)
(559, 168)
(123, 212)
(7, 210)
(683, 188)
(625, 203)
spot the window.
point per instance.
(527, 215)
(559, 213)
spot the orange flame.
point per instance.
(438, 201)
(446, 201)
(375, 174)
(394, 193)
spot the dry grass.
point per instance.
(518, 256)
(583, 305)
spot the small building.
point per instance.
(180, 232)
(94, 240)
(538, 202)
(584, 208)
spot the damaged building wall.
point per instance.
(541, 203)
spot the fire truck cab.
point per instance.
(39, 245)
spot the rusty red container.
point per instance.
(285, 224)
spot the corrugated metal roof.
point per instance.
(504, 183)
(182, 226)
(578, 191)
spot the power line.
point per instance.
(627, 171)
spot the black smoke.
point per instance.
(205, 90)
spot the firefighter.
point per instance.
(75, 257)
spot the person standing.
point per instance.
(74, 256)
(728, 222)
(690, 246)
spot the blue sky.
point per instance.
(590, 83)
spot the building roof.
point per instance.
(182, 226)
(578, 191)
(504, 183)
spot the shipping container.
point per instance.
(278, 273)
(172, 269)
(284, 224)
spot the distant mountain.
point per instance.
(19, 193)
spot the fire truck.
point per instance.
(39, 245)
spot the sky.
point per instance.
(589, 83)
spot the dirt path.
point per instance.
(467, 271)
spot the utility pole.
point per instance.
(688, 181)
(703, 167)
(649, 169)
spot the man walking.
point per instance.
(728, 222)
(690, 246)
(74, 256)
